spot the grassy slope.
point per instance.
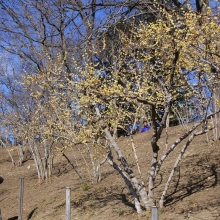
(194, 192)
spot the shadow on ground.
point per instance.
(182, 192)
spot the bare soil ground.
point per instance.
(194, 192)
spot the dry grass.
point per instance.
(193, 193)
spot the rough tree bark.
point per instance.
(127, 181)
(123, 161)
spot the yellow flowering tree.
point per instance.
(157, 62)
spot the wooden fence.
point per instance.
(154, 212)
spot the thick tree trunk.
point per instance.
(155, 148)
(151, 179)
(128, 170)
(123, 161)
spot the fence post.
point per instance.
(154, 212)
(0, 215)
(21, 195)
(68, 199)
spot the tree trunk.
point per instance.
(185, 135)
(202, 5)
(216, 116)
(214, 133)
(155, 148)
(89, 174)
(167, 126)
(92, 163)
(12, 160)
(9, 153)
(35, 161)
(21, 155)
(123, 161)
(39, 162)
(45, 161)
(136, 160)
(127, 181)
(176, 164)
(98, 170)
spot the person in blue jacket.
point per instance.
(146, 127)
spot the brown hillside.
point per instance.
(194, 192)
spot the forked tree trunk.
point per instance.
(180, 139)
(128, 170)
(183, 150)
(123, 161)
(155, 148)
(41, 166)
(127, 181)
(173, 146)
